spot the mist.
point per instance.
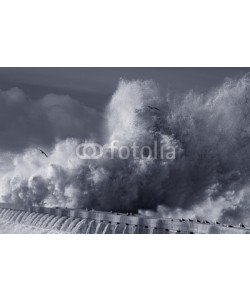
(209, 177)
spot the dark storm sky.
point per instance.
(40, 105)
(94, 86)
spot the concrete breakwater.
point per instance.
(80, 221)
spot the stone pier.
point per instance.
(91, 221)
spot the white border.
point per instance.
(124, 267)
(133, 33)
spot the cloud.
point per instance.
(25, 122)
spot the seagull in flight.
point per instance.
(152, 107)
(43, 153)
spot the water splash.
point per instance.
(210, 176)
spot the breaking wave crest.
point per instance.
(209, 177)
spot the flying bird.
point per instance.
(152, 107)
(43, 152)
